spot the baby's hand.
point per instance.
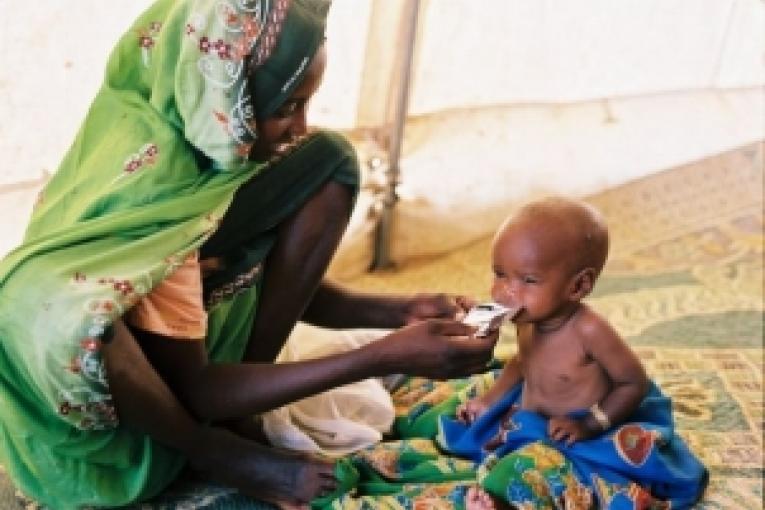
(469, 411)
(562, 428)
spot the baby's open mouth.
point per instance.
(513, 311)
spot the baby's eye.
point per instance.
(530, 279)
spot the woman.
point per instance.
(186, 232)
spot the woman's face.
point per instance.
(289, 121)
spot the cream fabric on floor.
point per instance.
(338, 421)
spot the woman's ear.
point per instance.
(583, 283)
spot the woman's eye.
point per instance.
(286, 110)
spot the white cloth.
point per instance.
(338, 421)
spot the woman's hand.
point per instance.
(436, 306)
(435, 348)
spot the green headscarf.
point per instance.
(234, 62)
(153, 169)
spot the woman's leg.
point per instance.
(305, 244)
(146, 405)
(293, 213)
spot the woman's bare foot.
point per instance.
(478, 499)
(289, 480)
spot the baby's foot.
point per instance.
(478, 499)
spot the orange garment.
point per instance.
(174, 308)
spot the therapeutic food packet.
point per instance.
(487, 317)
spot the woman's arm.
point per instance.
(216, 392)
(146, 403)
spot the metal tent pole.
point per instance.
(382, 257)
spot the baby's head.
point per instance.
(548, 255)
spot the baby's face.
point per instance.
(529, 271)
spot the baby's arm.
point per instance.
(629, 383)
(510, 376)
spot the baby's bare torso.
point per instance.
(559, 376)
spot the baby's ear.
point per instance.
(583, 283)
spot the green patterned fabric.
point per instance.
(420, 401)
(148, 179)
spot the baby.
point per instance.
(546, 259)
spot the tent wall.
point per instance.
(553, 51)
(509, 97)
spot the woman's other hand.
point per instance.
(435, 348)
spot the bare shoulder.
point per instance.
(593, 328)
(603, 344)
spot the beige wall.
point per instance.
(552, 95)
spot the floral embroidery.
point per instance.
(91, 344)
(223, 49)
(272, 32)
(124, 286)
(97, 410)
(150, 151)
(204, 45)
(240, 283)
(235, 31)
(228, 15)
(146, 40)
(251, 27)
(127, 292)
(89, 405)
(132, 164)
(241, 48)
(242, 148)
(146, 156)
